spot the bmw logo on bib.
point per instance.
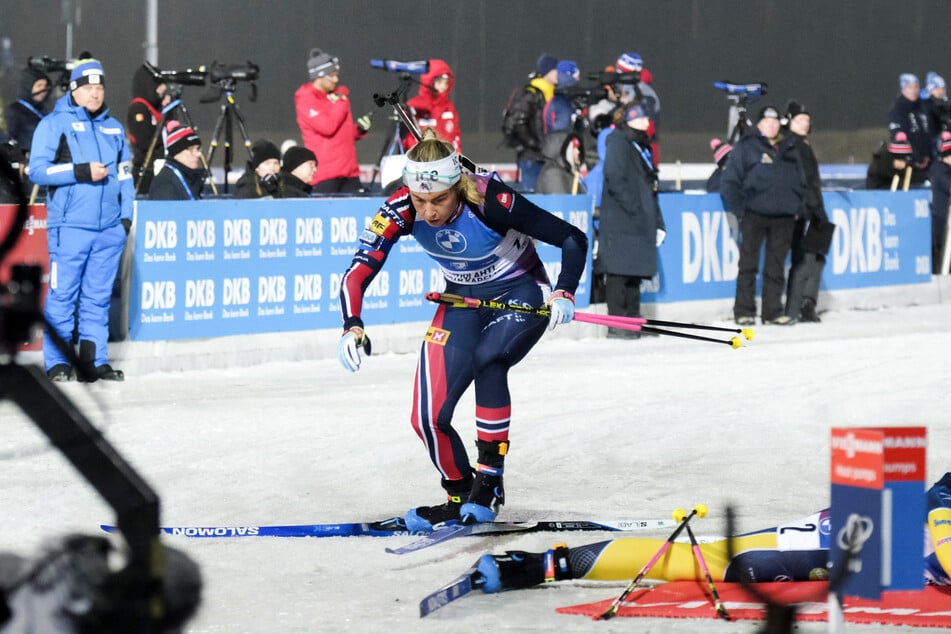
(451, 241)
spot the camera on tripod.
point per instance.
(225, 77)
(176, 80)
(420, 67)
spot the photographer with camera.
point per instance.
(261, 179)
(432, 107)
(149, 96)
(327, 127)
(81, 154)
(23, 115)
(522, 125)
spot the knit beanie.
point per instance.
(545, 64)
(568, 74)
(86, 70)
(899, 146)
(177, 137)
(629, 63)
(296, 156)
(321, 64)
(721, 150)
(263, 150)
(907, 78)
(635, 111)
(767, 112)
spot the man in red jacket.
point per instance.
(327, 126)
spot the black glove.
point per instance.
(269, 183)
(126, 224)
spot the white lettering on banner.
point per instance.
(437, 283)
(411, 282)
(273, 231)
(922, 208)
(199, 293)
(922, 265)
(852, 445)
(857, 242)
(380, 286)
(309, 231)
(889, 219)
(906, 442)
(335, 280)
(237, 232)
(272, 289)
(700, 247)
(161, 234)
(307, 287)
(236, 291)
(343, 230)
(200, 234)
(158, 295)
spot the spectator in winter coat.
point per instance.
(645, 93)
(762, 185)
(721, 152)
(432, 106)
(25, 113)
(812, 234)
(890, 164)
(327, 127)
(149, 96)
(297, 170)
(261, 178)
(523, 127)
(81, 154)
(561, 149)
(911, 116)
(934, 98)
(940, 177)
(182, 175)
(631, 226)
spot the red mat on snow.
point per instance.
(930, 607)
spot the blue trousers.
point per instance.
(83, 267)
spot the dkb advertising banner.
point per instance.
(230, 267)
(881, 239)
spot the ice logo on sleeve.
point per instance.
(451, 241)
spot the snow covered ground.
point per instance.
(601, 429)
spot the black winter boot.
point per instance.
(86, 370)
(487, 493)
(426, 518)
(807, 311)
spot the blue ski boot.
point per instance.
(423, 519)
(518, 569)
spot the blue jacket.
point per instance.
(64, 144)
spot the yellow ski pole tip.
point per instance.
(679, 515)
(736, 342)
(747, 333)
(701, 510)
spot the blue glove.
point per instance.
(562, 306)
(348, 350)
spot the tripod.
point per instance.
(393, 143)
(230, 112)
(738, 123)
(167, 113)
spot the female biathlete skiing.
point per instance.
(481, 233)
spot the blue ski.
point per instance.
(454, 530)
(455, 589)
(383, 528)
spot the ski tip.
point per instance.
(107, 528)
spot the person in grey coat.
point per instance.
(631, 225)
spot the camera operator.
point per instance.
(25, 113)
(561, 147)
(149, 96)
(261, 179)
(327, 127)
(644, 93)
(182, 176)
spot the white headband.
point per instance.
(432, 176)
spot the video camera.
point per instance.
(420, 67)
(187, 77)
(749, 90)
(612, 78)
(583, 96)
(46, 64)
(224, 78)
